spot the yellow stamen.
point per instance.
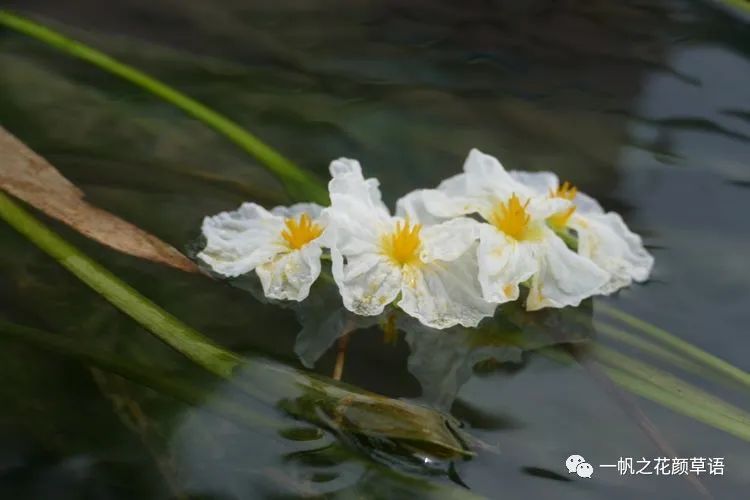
(511, 217)
(300, 232)
(567, 192)
(403, 244)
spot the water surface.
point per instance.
(644, 105)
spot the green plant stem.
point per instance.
(655, 350)
(674, 393)
(300, 184)
(689, 350)
(171, 330)
(676, 402)
(160, 382)
(665, 390)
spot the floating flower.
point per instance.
(516, 244)
(378, 257)
(604, 238)
(283, 246)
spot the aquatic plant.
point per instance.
(441, 267)
(508, 215)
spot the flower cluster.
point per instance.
(448, 256)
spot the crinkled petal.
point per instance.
(482, 185)
(585, 204)
(542, 206)
(443, 205)
(504, 263)
(444, 294)
(607, 241)
(454, 186)
(564, 278)
(290, 275)
(543, 182)
(412, 206)
(368, 282)
(347, 181)
(356, 216)
(352, 227)
(539, 182)
(312, 209)
(239, 241)
(448, 240)
(485, 174)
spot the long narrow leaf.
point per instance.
(655, 350)
(158, 381)
(299, 183)
(676, 402)
(679, 345)
(670, 391)
(665, 390)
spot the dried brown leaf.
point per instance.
(28, 176)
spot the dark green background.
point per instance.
(644, 105)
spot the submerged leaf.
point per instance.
(443, 361)
(384, 428)
(31, 178)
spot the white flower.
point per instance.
(604, 238)
(377, 257)
(283, 246)
(516, 244)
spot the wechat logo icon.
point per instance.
(578, 464)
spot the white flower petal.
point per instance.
(541, 207)
(356, 218)
(342, 167)
(312, 209)
(504, 263)
(449, 240)
(483, 184)
(353, 226)
(454, 186)
(564, 277)
(356, 210)
(412, 206)
(290, 275)
(368, 282)
(347, 181)
(539, 182)
(607, 241)
(239, 241)
(444, 294)
(316, 213)
(585, 204)
(444, 205)
(486, 175)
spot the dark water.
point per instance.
(644, 105)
